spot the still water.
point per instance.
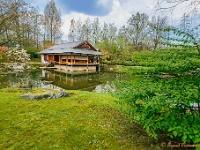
(99, 81)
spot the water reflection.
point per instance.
(99, 82)
(71, 81)
(105, 87)
(25, 79)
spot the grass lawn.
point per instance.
(85, 120)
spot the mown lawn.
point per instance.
(85, 120)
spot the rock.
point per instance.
(25, 96)
(61, 94)
(46, 95)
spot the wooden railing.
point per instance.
(74, 63)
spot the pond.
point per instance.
(99, 81)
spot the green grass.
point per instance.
(36, 59)
(85, 120)
(172, 61)
(35, 66)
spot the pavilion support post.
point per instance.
(71, 62)
(66, 62)
(87, 62)
(53, 59)
(98, 64)
(99, 68)
(59, 61)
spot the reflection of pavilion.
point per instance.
(71, 81)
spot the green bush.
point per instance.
(164, 106)
(33, 54)
(165, 99)
(3, 57)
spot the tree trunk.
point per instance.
(198, 48)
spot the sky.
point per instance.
(109, 11)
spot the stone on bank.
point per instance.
(48, 94)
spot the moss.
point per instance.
(85, 120)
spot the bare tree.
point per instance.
(72, 33)
(104, 32)
(95, 30)
(52, 21)
(86, 29)
(157, 26)
(191, 7)
(78, 30)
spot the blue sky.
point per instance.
(88, 7)
(109, 11)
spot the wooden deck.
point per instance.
(47, 67)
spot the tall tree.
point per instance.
(126, 46)
(52, 21)
(78, 30)
(157, 26)
(95, 30)
(123, 34)
(10, 12)
(86, 30)
(185, 22)
(72, 29)
(20, 24)
(136, 27)
(78, 27)
(112, 31)
(104, 32)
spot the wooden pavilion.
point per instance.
(72, 56)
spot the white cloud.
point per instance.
(67, 19)
(105, 3)
(120, 13)
(139, 5)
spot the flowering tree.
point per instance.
(19, 58)
(18, 55)
(3, 57)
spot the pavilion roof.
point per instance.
(72, 47)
